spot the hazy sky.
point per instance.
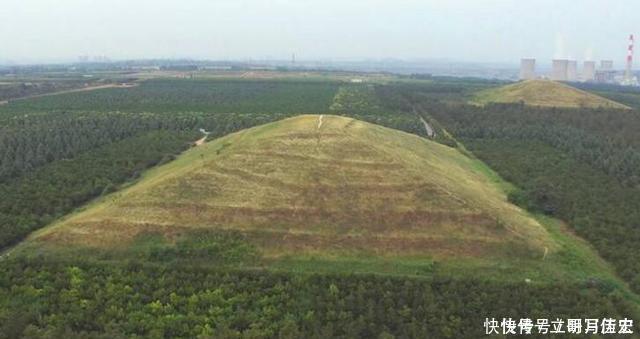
(465, 30)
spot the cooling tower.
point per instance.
(527, 69)
(559, 70)
(589, 71)
(572, 70)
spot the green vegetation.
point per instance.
(21, 87)
(39, 197)
(363, 102)
(626, 95)
(41, 298)
(293, 230)
(307, 199)
(30, 141)
(356, 100)
(577, 165)
(184, 95)
(543, 93)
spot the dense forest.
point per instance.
(39, 197)
(628, 95)
(59, 152)
(582, 166)
(187, 95)
(79, 299)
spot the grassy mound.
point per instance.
(325, 194)
(544, 93)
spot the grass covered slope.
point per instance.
(544, 93)
(318, 185)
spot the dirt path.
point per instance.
(200, 141)
(430, 132)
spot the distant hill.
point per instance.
(544, 93)
(324, 185)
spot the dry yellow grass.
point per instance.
(299, 186)
(544, 93)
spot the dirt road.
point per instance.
(83, 89)
(200, 141)
(430, 132)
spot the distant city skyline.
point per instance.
(487, 31)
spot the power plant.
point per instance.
(559, 69)
(527, 69)
(565, 69)
(606, 65)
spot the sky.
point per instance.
(483, 31)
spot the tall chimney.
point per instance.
(627, 74)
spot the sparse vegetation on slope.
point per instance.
(544, 93)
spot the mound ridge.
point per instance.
(545, 93)
(317, 185)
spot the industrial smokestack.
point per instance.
(559, 69)
(627, 74)
(572, 70)
(589, 71)
(527, 69)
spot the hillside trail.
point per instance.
(318, 130)
(430, 132)
(200, 141)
